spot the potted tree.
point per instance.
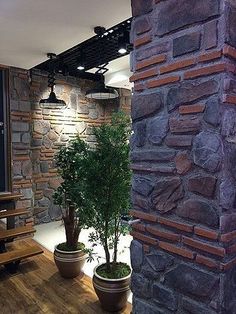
(107, 188)
(70, 256)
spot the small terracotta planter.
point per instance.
(112, 293)
(70, 263)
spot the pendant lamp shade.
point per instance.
(102, 92)
(52, 102)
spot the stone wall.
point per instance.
(38, 133)
(183, 156)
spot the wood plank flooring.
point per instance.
(38, 288)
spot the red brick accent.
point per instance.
(209, 234)
(210, 56)
(139, 227)
(231, 249)
(227, 237)
(164, 81)
(231, 99)
(175, 224)
(207, 262)
(138, 87)
(177, 65)
(144, 238)
(176, 250)
(219, 251)
(229, 51)
(229, 265)
(163, 234)
(208, 70)
(142, 41)
(190, 109)
(146, 248)
(144, 216)
(143, 75)
(155, 60)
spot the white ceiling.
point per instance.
(31, 28)
(118, 73)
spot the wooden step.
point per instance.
(9, 196)
(13, 233)
(12, 212)
(19, 254)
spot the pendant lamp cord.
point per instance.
(51, 75)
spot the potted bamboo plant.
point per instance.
(108, 178)
(70, 256)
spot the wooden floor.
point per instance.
(38, 288)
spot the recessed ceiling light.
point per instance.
(122, 51)
(80, 68)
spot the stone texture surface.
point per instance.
(152, 50)
(165, 297)
(202, 184)
(199, 211)
(189, 280)
(166, 194)
(207, 151)
(210, 34)
(144, 105)
(195, 308)
(141, 286)
(140, 7)
(157, 129)
(140, 133)
(183, 162)
(188, 93)
(186, 44)
(228, 192)
(153, 155)
(212, 112)
(143, 186)
(201, 10)
(184, 125)
(136, 250)
(158, 262)
(231, 25)
(140, 307)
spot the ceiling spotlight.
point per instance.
(123, 42)
(80, 67)
(52, 102)
(122, 50)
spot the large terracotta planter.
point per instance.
(112, 293)
(69, 264)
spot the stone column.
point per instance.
(183, 156)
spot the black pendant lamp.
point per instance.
(52, 102)
(102, 92)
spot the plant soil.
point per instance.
(118, 271)
(64, 247)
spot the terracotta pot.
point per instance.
(112, 293)
(70, 263)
